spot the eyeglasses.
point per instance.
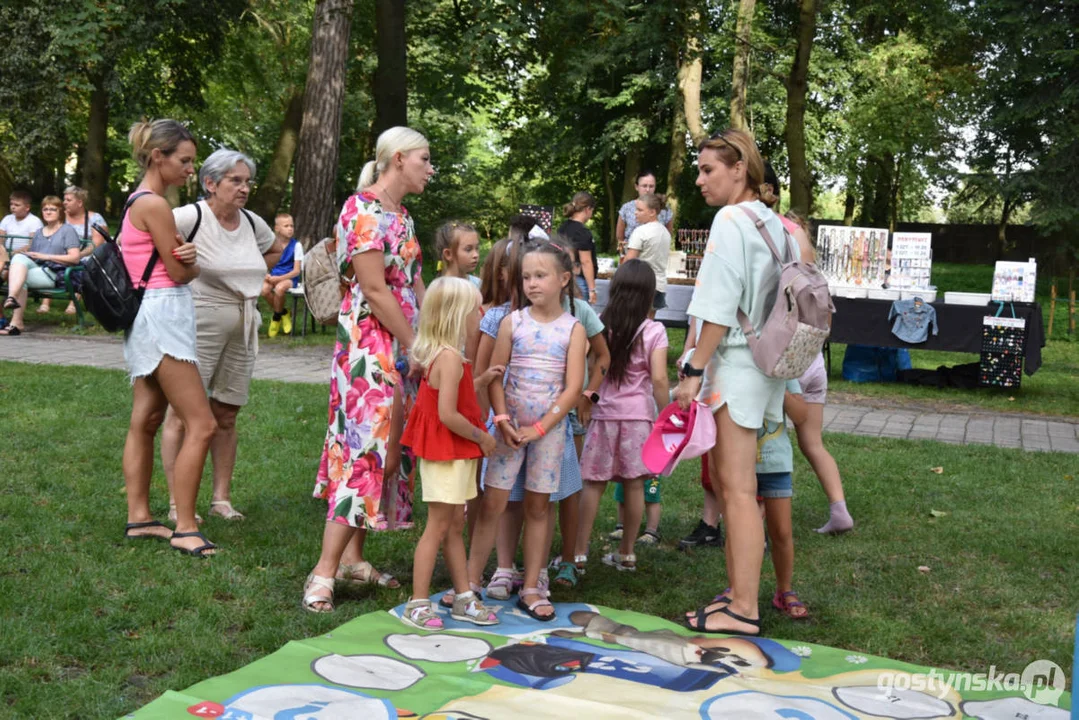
(50, 208)
(721, 136)
(237, 181)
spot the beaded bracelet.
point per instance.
(538, 427)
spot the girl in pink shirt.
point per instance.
(159, 348)
(635, 386)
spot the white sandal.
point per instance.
(364, 573)
(310, 599)
(622, 563)
(421, 614)
(227, 512)
(172, 515)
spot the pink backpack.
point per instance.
(800, 320)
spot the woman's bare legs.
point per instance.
(734, 456)
(182, 388)
(147, 413)
(335, 536)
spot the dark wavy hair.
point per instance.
(633, 290)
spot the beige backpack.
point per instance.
(322, 282)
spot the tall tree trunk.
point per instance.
(1002, 229)
(272, 188)
(7, 183)
(740, 80)
(612, 206)
(690, 71)
(95, 169)
(848, 206)
(633, 166)
(896, 197)
(390, 90)
(677, 162)
(801, 187)
(316, 167)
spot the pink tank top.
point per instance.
(788, 223)
(137, 245)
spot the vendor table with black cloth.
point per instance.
(865, 322)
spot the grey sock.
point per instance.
(839, 520)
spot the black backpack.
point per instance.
(107, 290)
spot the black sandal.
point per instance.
(144, 536)
(11, 331)
(702, 622)
(199, 552)
(11, 303)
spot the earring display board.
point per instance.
(1001, 362)
(543, 214)
(1014, 281)
(852, 256)
(912, 260)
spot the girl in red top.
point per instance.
(446, 432)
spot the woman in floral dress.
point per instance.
(362, 474)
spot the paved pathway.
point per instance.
(310, 365)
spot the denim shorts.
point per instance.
(575, 423)
(582, 286)
(775, 485)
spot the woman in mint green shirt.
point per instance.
(737, 272)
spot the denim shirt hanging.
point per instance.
(912, 320)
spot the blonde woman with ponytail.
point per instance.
(361, 473)
(160, 348)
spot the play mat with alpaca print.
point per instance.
(592, 662)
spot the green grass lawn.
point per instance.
(94, 626)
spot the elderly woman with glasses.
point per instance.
(235, 248)
(54, 248)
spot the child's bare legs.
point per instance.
(591, 495)
(453, 550)
(778, 516)
(473, 505)
(483, 538)
(633, 494)
(536, 548)
(440, 517)
(652, 512)
(711, 514)
(509, 533)
(808, 424)
(568, 521)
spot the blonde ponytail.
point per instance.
(395, 140)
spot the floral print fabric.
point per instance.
(363, 378)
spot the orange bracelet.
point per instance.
(539, 428)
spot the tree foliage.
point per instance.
(904, 101)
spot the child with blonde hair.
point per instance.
(446, 432)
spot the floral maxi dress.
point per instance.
(363, 377)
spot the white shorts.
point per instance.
(164, 326)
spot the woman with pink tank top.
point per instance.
(806, 410)
(159, 349)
